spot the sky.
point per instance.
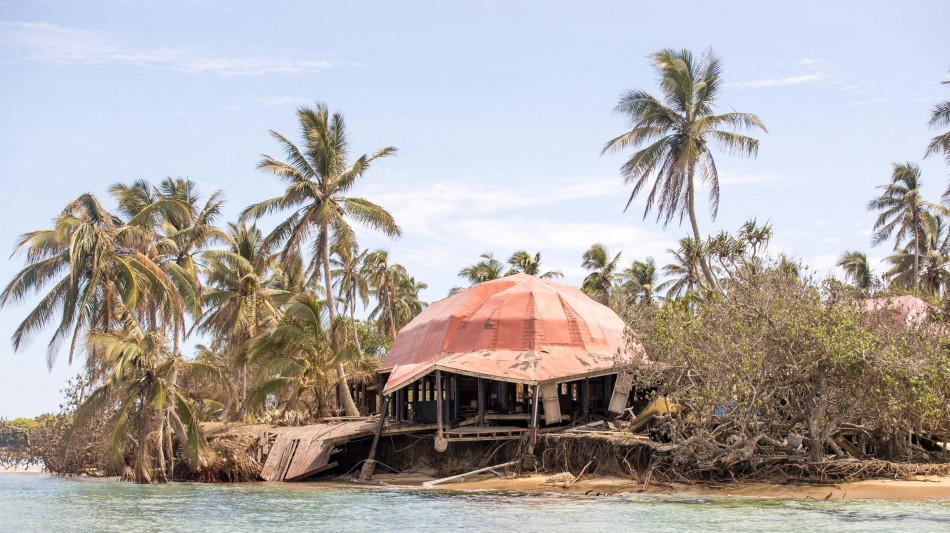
(499, 111)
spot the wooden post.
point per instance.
(455, 397)
(585, 396)
(534, 418)
(438, 400)
(369, 466)
(481, 401)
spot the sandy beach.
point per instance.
(923, 488)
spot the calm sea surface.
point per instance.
(34, 502)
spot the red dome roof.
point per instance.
(518, 328)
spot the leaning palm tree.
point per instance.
(856, 267)
(602, 272)
(522, 262)
(99, 274)
(318, 179)
(142, 378)
(939, 117)
(675, 133)
(905, 214)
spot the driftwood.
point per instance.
(459, 476)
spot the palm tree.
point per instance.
(904, 212)
(856, 267)
(940, 116)
(641, 278)
(350, 280)
(318, 179)
(295, 357)
(522, 262)
(384, 280)
(602, 270)
(675, 133)
(239, 304)
(98, 270)
(487, 269)
(685, 270)
(182, 229)
(141, 376)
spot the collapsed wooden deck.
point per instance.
(298, 452)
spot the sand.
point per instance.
(921, 488)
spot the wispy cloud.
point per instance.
(50, 43)
(815, 70)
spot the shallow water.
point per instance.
(35, 502)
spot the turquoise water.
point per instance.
(32, 502)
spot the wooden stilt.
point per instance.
(481, 401)
(366, 473)
(585, 396)
(438, 400)
(534, 419)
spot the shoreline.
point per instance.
(922, 488)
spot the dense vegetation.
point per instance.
(756, 349)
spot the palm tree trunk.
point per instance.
(356, 335)
(691, 208)
(349, 407)
(916, 258)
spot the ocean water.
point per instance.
(37, 502)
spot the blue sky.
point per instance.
(499, 111)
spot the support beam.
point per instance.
(438, 400)
(585, 396)
(534, 419)
(481, 401)
(366, 473)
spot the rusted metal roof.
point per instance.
(518, 328)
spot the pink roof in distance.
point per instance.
(518, 328)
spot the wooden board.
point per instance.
(552, 406)
(301, 451)
(618, 401)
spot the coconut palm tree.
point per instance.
(182, 229)
(384, 279)
(675, 132)
(141, 377)
(296, 357)
(239, 303)
(642, 278)
(602, 272)
(487, 269)
(939, 117)
(857, 269)
(522, 262)
(904, 213)
(684, 270)
(350, 281)
(98, 271)
(318, 179)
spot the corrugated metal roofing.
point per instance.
(518, 328)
